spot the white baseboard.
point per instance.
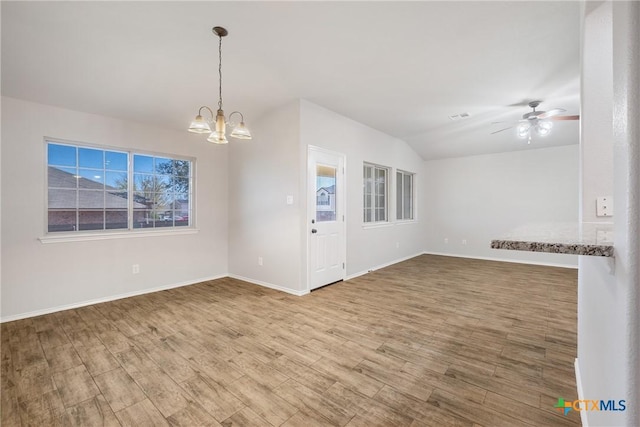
(583, 414)
(515, 261)
(269, 285)
(105, 299)
(246, 279)
(378, 267)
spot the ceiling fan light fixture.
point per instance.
(523, 130)
(543, 128)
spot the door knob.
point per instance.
(314, 231)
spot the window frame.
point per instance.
(374, 195)
(400, 196)
(130, 231)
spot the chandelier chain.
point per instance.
(220, 73)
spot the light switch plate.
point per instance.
(604, 206)
(289, 200)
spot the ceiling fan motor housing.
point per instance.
(532, 115)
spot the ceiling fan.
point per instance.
(538, 122)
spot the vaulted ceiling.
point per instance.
(400, 67)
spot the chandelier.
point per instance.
(203, 125)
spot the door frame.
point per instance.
(310, 208)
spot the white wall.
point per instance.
(596, 155)
(608, 365)
(480, 198)
(626, 162)
(38, 277)
(367, 248)
(262, 172)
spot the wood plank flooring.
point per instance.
(432, 341)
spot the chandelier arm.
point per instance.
(241, 118)
(209, 110)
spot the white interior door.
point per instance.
(326, 222)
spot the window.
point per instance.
(404, 195)
(101, 189)
(375, 193)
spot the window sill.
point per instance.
(390, 224)
(377, 225)
(65, 238)
(406, 221)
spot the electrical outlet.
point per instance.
(446, 240)
(397, 245)
(260, 260)
(464, 241)
(135, 268)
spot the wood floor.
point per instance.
(433, 341)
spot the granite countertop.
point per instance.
(566, 238)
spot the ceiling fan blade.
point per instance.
(565, 118)
(550, 113)
(510, 127)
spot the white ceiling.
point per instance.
(400, 67)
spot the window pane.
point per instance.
(62, 177)
(408, 196)
(61, 220)
(61, 155)
(399, 214)
(142, 218)
(90, 199)
(163, 218)
(181, 220)
(163, 182)
(142, 163)
(143, 182)
(182, 168)
(116, 200)
(142, 200)
(116, 219)
(63, 199)
(164, 166)
(91, 158)
(162, 200)
(91, 220)
(116, 180)
(91, 178)
(325, 193)
(115, 161)
(180, 184)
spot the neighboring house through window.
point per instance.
(93, 188)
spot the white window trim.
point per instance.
(80, 236)
(387, 221)
(414, 195)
